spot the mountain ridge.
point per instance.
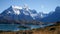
(16, 14)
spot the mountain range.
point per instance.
(53, 17)
(25, 15)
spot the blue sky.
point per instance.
(39, 5)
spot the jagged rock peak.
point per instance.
(57, 8)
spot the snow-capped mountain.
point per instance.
(54, 17)
(18, 13)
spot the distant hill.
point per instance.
(54, 17)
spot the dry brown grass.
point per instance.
(48, 30)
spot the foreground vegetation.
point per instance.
(52, 29)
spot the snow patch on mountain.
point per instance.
(26, 13)
(33, 16)
(16, 11)
(8, 12)
(16, 7)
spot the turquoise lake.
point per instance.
(14, 27)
